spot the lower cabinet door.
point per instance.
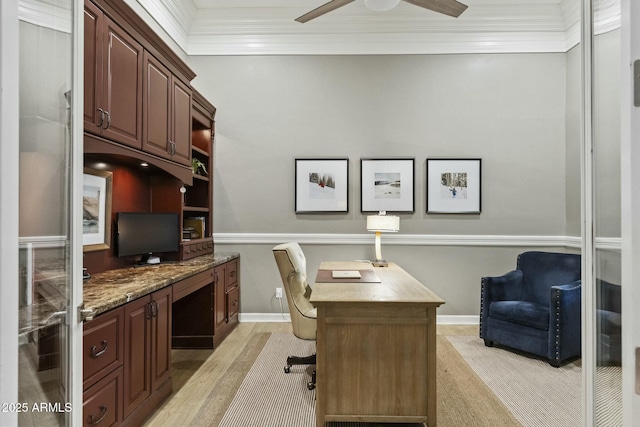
(101, 401)
(161, 337)
(137, 357)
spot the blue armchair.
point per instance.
(536, 307)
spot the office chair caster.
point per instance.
(312, 384)
(287, 369)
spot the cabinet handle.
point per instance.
(101, 117)
(95, 353)
(153, 309)
(215, 277)
(232, 273)
(150, 310)
(103, 413)
(234, 303)
(108, 119)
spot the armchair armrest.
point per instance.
(507, 287)
(565, 321)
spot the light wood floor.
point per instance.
(195, 372)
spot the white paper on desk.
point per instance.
(345, 274)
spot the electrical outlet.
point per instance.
(278, 292)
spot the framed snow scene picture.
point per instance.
(454, 186)
(387, 185)
(321, 185)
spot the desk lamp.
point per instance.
(382, 223)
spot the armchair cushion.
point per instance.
(522, 312)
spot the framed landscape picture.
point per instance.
(387, 185)
(321, 185)
(96, 210)
(454, 186)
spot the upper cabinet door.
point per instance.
(167, 113)
(157, 98)
(122, 85)
(93, 21)
(181, 122)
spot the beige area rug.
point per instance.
(536, 393)
(269, 397)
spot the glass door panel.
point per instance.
(606, 126)
(45, 65)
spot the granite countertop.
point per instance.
(107, 290)
(113, 288)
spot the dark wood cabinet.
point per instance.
(198, 198)
(227, 299)
(220, 297)
(167, 113)
(103, 356)
(102, 402)
(127, 350)
(113, 80)
(147, 348)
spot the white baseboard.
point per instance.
(286, 317)
(264, 317)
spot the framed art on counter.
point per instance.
(387, 185)
(96, 209)
(321, 185)
(454, 186)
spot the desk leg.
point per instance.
(320, 368)
(431, 368)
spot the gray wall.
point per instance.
(508, 109)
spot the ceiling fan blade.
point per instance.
(447, 7)
(325, 8)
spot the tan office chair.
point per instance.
(293, 271)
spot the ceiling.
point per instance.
(267, 27)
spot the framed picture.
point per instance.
(387, 185)
(454, 186)
(96, 210)
(322, 185)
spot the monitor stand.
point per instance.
(148, 259)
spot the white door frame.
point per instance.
(9, 97)
(630, 179)
(9, 212)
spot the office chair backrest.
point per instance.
(541, 270)
(293, 272)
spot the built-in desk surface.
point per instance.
(376, 348)
(113, 288)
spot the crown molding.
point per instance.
(248, 28)
(56, 15)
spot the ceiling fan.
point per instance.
(447, 7)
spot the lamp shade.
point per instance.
(381, 5)
(383, 223)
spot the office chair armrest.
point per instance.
(564, 321)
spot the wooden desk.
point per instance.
(376, 348)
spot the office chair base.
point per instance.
(300, 360)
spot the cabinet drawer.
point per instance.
(101, 404)
(234, 302)
(192, 250)
(191, 284)
(232, 274)
(102, 345)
